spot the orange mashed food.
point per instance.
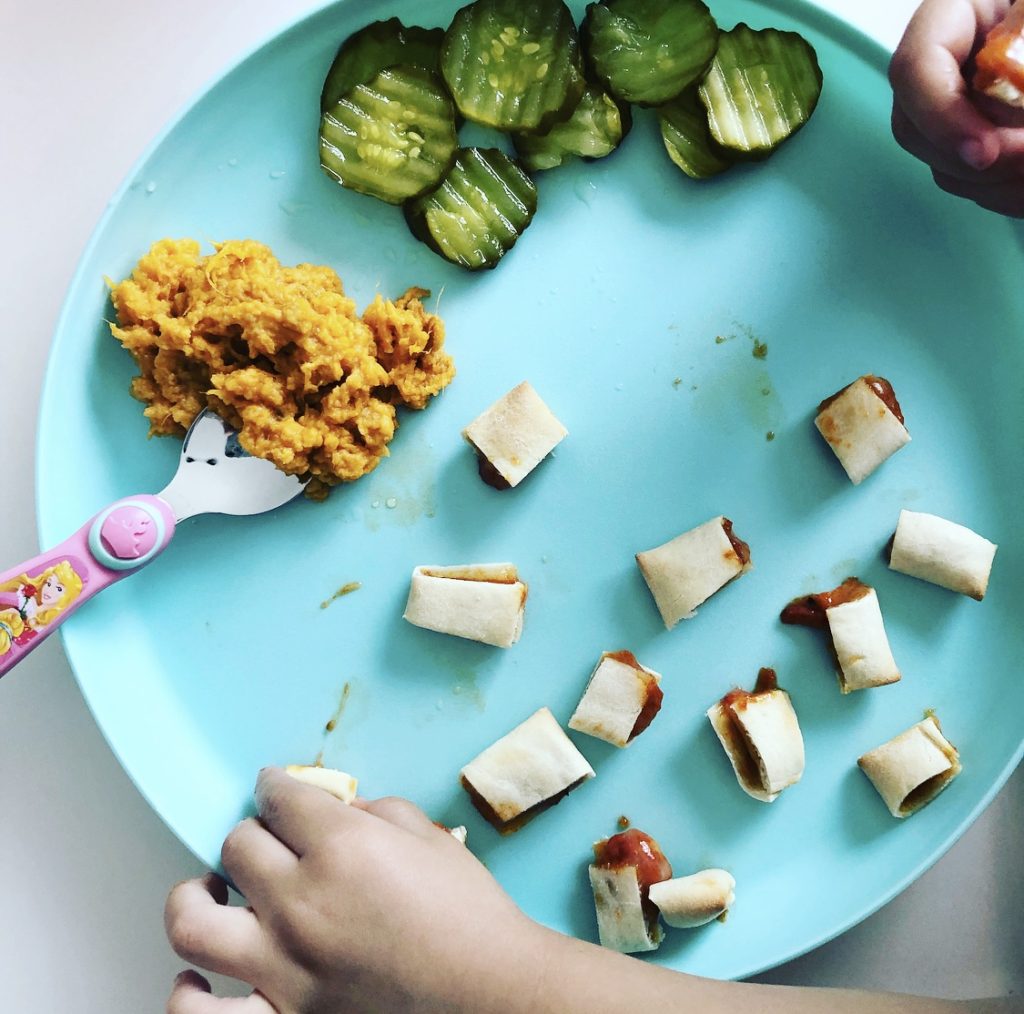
(279, 353)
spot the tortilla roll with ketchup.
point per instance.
(620, 701)
(863, 424)
(913, 768)
(761, 737)
(689, 569)
(999, 65)
(513, 436)
(852, 617)
(942, 552)
(689, 902)
(481, 602)
(625, 868)
(526, 771)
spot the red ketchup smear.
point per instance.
(641, 851)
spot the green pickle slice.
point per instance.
(687, 137)
(761, 88)
(364, 54)
(648, 51)
(393, 138)
(479, 210)
(513, 64)
(596, 128)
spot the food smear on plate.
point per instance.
(279, 353)
(332, 723)
(345, 589)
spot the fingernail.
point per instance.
(973, 153)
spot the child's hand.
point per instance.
(973, 145)
(352, 908)
(370, 907)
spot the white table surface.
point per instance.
(84, 863)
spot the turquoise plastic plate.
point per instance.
(632, 304)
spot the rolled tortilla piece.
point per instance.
(621, 923)
(688, 902)
(913, 768)
(482, 602)
(942, 552)
(999, 65)
(863, 424)
(513, 436)
(689, 569)
(337, 783)
(852, 617)
(624, 869)
(526, 771)
(620, 701)
(761, 737)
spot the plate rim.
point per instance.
(845, 34)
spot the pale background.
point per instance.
(84, 863)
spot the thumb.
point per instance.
(929, 86)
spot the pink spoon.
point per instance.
(215, 476)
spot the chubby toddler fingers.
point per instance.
(298, 814)
(911, 140)
(256, 861)
(191, 995)
(928, 82)
(205, 931)
(1003, 198)
(399, 812)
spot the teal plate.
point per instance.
(633, 304)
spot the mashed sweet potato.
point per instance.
(278, 352)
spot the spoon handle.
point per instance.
(36, 597)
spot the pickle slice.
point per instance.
(648, 51)
(364, 54)
(479, 210)
(513, 64)
(761, 88)
(393, 138)
(687, 137)
(596, 128)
